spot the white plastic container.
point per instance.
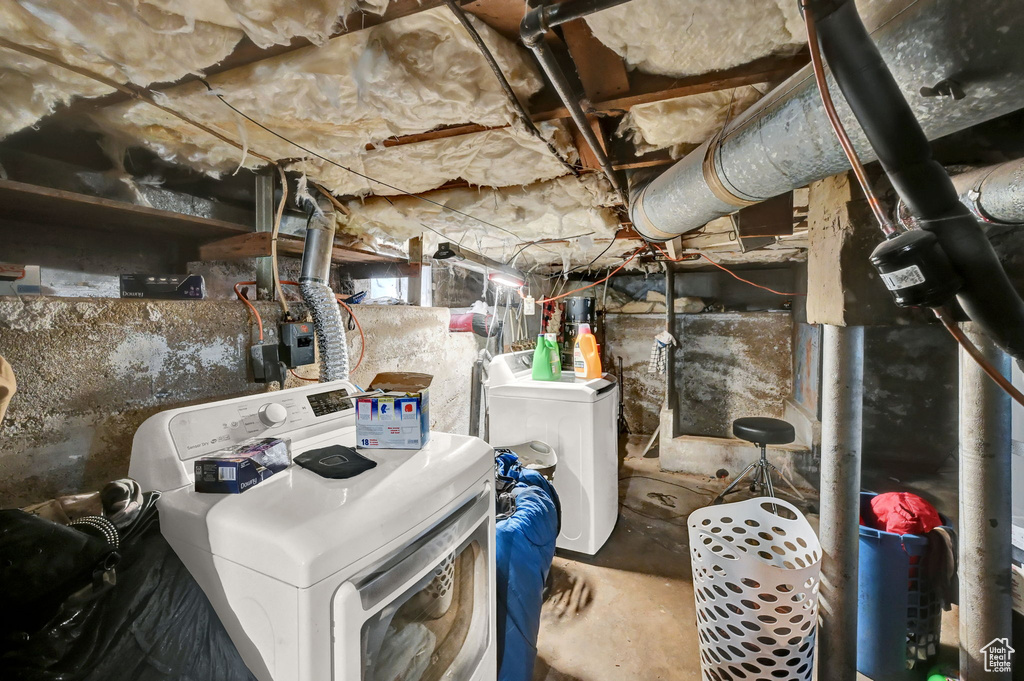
(756, 568)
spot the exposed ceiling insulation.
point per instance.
(682, 123)
(405, 77)
(119, 38)
(558, 209)
(688, 37)
(493, 158)
(115, 38)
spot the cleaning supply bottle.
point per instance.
(586, 360)
(542, 361)
(556, 356)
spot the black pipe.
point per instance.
(513, 99)
(532, 29)
(987, 297)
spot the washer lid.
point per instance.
(301, 528)
(568, 389)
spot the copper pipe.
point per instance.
(837, 126)
(971, 349)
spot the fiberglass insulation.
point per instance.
(114, 38)
(139, 41)
(557, 209)
(687, 37)
(408, 76)
(685, 122)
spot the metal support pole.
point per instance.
(670, 326)
(264, 223)
(985, 522)
(842, 387)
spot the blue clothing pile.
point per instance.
(525, 546)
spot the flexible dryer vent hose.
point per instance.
(318, 296)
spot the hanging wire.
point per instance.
(523, 115)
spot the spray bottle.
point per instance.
(542, 361)
(586, 360)
(556, 356)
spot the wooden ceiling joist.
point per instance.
(644, 89)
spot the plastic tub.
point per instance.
(899, 618)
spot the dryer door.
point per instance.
(426, 614)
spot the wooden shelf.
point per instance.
(45, 206)
(257, 245)
(219, 239)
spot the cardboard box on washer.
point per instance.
(400, 417)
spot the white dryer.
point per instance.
(388, 574)
(579, 419)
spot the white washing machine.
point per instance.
(385, 575)
(580, 420)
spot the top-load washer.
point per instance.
(388, 574)
(579, 419)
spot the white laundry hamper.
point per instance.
(756, 568)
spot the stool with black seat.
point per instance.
(762, 432)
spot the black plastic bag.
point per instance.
(153, 624)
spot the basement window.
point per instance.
(389, 287)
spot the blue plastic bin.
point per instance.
(899, 618)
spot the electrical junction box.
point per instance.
(297, 346)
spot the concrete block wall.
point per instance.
(90, 371)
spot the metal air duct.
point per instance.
(785, 141)
(314, 283)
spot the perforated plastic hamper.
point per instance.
(756, 566)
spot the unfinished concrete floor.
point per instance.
(627, 614)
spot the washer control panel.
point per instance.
(215, 426)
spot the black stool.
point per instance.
(762, 432)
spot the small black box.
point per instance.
(297, 344)
(163, 286)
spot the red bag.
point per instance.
(902, 513)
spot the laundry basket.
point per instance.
(756, 566)
(895, 579)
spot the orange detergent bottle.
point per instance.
(585, 358)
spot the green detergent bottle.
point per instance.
(556, 356)
(542, 361)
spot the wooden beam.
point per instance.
(602, 72)
(257, 245)
(648, 88)
(504, 16)
(645, 89)
(46, 206)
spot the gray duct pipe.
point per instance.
(785, 141)
(994, 194)
(314, 283)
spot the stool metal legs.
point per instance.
(761, 478)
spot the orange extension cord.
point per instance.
(730, 273)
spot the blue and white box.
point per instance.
(399, 418)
